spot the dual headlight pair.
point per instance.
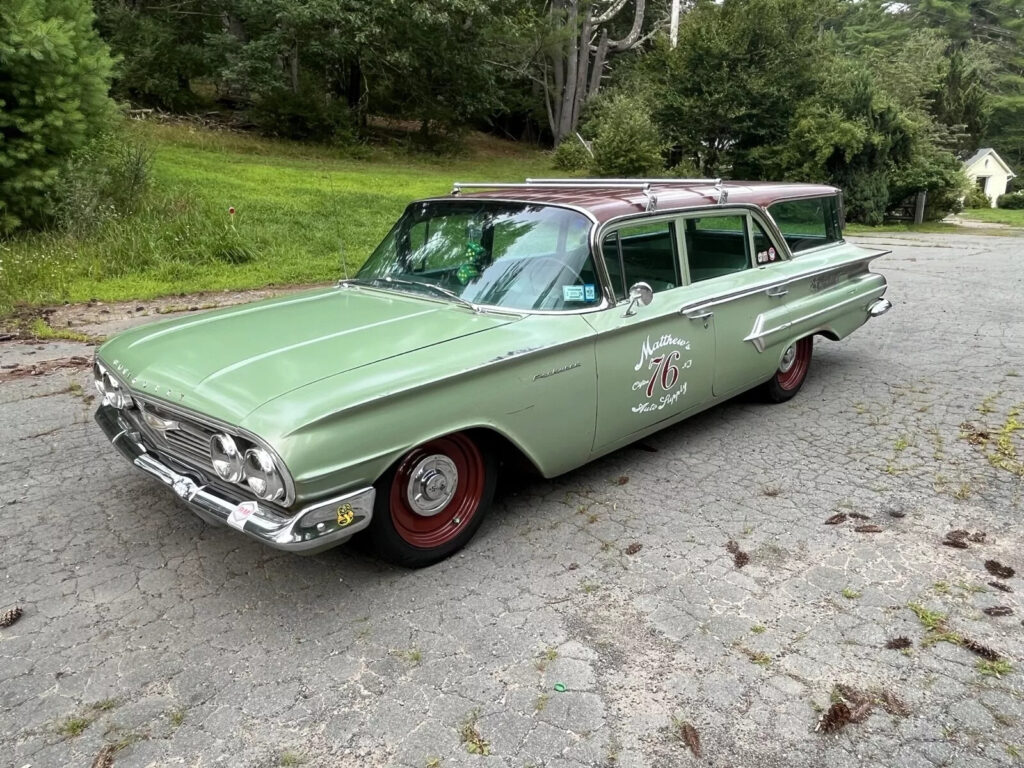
(109, 388)
(254, 467)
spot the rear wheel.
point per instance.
(788, 379)
(432, 501)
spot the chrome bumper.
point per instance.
(879, 307)
(312, 529)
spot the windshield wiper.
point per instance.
(416, 284)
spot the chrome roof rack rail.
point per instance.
(591, 182)
(458, 186)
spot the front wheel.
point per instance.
(432, 501)
(788, 379)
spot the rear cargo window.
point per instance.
(808, 223)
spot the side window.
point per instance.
(642, 253)
(765, 251)
(808, 223)
(716, 246)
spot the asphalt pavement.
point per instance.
(687, 589)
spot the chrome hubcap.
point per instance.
(432, 484)
(788, 358)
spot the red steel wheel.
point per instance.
(793, 367)
(433, 500)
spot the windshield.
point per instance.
(515, 255)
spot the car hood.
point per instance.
(228, 362)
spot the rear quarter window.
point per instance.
(808, 223)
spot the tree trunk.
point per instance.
(576, 69)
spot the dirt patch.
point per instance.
(98, 320)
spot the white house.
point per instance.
(990, 172)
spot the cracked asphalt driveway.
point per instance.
(180, 644)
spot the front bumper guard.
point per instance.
(312, 529)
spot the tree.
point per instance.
(576, 43)
(162, 48)
(54, 80)
(726, 94)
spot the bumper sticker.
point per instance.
(241, 513)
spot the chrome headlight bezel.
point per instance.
(227, 459)
(262, 475)
(110, 388)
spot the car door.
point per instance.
(729, 255)
(654, 364)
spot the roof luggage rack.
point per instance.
(643, 185)
(616, 182)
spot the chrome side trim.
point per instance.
(740, 293)
(759, 333)
(312, 529)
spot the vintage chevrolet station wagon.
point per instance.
(552, 321)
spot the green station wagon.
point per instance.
(551, 321)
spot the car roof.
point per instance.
(607, 199)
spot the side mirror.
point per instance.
(639, 294)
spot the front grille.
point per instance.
(187, 441)
(194, 444)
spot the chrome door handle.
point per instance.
(774, 292)
(697, 314)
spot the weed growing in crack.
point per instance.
(475, 743)
(850, 594)
(995, 669)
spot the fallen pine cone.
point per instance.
(893, 704)
(999, 570)
(690, 738)
(955, 543)
(836, 519)
(978, 537)
(861, 712)
(958, 535)
(740, 559)
(998, 610)
(1000, 586)
(868, 529)
(898, 643)
(982, 650)
(105, 757)
(835, 718)
(732, 547)
(7, 618)
(633, 548)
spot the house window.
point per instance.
(982, 182)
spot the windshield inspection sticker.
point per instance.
(572, 293)
(589, 292)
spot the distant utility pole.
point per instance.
(674, 24)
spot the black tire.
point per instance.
(407, 529)
(791, 374)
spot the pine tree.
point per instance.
(54, 82)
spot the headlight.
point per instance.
(97, 379)
(228, 462)
(262, 476)
(112, 392)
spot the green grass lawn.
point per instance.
(299, 211)
(1015, 218)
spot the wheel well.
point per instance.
(830, 335)
(505, 451)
